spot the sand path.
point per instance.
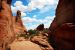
(24, 45)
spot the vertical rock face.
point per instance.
(6, 24)
(18, 25)
(63, 27)
(64, 13)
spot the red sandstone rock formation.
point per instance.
(63, 27)
(40, 27)
(42, 40)
(6, 24)
(65, 37)
(18, 25)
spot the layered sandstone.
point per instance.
(6, 24)
(63, 26)
(42, 40)
(18, 24)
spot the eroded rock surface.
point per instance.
(63, 26)
(24, 45)
(18, 24)
(42, 40)
(6, 24)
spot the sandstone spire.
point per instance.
(19, 27)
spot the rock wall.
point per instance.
(6, 24)
(18, 25)
(63, 26)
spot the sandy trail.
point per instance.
(24, 45)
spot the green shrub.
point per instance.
(32, 32)
(22, 35)
(45, 31)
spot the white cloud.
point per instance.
(14, 9)
(40, 4)
(49, 17)
(29, 19)
(23, 14)
(31, 27)
(46, 21)
(34, 16)
(51, 2)
(18, 5)
(34, 4)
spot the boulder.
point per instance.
(42, 41)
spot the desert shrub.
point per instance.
(22, 35)
(32, 32)
(45, 30)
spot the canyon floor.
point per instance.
(22, 44)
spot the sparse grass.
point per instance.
(45, 30)
(31, 33)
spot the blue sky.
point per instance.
(35, 12)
